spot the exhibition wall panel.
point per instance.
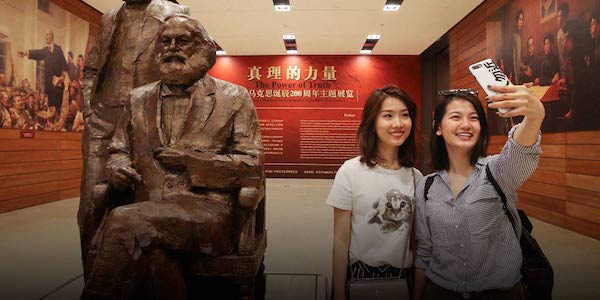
(310, 106)
(565, 189)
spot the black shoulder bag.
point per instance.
(536, 271)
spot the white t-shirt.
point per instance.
(382, 205)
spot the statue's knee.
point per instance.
(121, 218)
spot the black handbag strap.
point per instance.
(428, 183)
(502, 196)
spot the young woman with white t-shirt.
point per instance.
(372, 194)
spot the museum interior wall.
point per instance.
(47, 166)
(565, 189)
(309, 108)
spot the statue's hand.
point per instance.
(121, 178)
(172, 158)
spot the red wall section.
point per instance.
(309, 121)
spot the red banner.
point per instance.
(310, 106)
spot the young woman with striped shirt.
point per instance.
(466, 245)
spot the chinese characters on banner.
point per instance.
(296, 88)
(310, 106)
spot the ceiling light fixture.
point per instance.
(370, 43)
(282, 5)
(392, 5)
(220, 50)
(289, 41)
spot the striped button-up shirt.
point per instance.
(469, 245)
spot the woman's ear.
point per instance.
(438, 132)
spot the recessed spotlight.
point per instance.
(289, 41)
(370, 43)
(392, 5)
(282, 5)
(220, 50)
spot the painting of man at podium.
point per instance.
(34, 44)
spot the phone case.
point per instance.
(486, 72)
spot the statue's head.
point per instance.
(185, 51)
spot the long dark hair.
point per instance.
(439, 153)
(367, 136)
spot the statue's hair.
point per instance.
(195, 25)
(200, 35)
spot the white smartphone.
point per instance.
(487, 73)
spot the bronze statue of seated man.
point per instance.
(187, 147)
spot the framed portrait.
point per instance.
(547, 10)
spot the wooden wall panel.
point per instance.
(33, 178)
(553, 204)
(565, 189)
(583, 152)
(38, 170)
(584, 212)
(583, 182)
(33, 156)
(39, 167)
(553, 164)
(585, 197)
(582, 166)
(583, 138)
(544, 189)
(47, 167)
(583, 227)
(551, 177)
(543, 214)
(558, 138)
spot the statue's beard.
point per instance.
(176, 68)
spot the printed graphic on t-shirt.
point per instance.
(392, 211)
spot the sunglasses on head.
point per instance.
(454, 92)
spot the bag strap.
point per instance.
(428, 183)
(502, 196)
